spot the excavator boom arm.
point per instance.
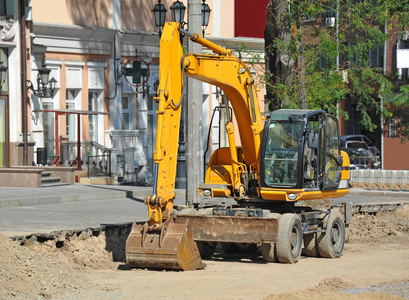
(223, 70)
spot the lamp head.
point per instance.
(178, 11)
(159, 13)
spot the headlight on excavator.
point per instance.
(207, 193)
(292, 196)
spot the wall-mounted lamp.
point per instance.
(45, 86)
(178, 13)
(159, 13)
(156, 87)
(3, 74)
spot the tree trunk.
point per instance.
(279, 65)
(301, 81)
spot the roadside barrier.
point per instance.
(380, 179)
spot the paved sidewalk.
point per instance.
(24, 211)
(10, 197)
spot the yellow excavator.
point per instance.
(284, 158)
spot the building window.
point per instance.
(4, 59)
(125, 113)
(3, 7)
(392, 128)
(329, 10)
(7, 7)
(324, 63)
(70, 103)
(404, 43)
(3, 133)
(93, 119)
(376, 57)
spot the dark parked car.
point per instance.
(359, 137)
(357, 159)
(358, 145)
(360, 156)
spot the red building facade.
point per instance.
(250, 18)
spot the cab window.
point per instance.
(332, 160)
(281, 156)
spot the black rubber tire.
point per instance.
(289, 239)
(310, 245)
(206, 249)
(269, 252)
(331, 241)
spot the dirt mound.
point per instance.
(51, 267)
(86, 250)
(25, 274)
(372, 227)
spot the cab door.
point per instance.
(332, 165)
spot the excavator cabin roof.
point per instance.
(292, 114)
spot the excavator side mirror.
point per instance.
(313, 140)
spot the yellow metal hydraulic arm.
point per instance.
(223, 70)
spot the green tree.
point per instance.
(319, 53)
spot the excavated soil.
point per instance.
(91, 265)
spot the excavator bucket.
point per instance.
(172, 247)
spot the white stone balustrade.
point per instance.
(380, 179)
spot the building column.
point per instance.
(115, 93)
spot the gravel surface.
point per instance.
(400, 289)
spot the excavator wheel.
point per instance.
(331, 241)
(172, 247)
(289, 239)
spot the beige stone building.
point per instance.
(103, 58)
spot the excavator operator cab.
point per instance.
(300, 150)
